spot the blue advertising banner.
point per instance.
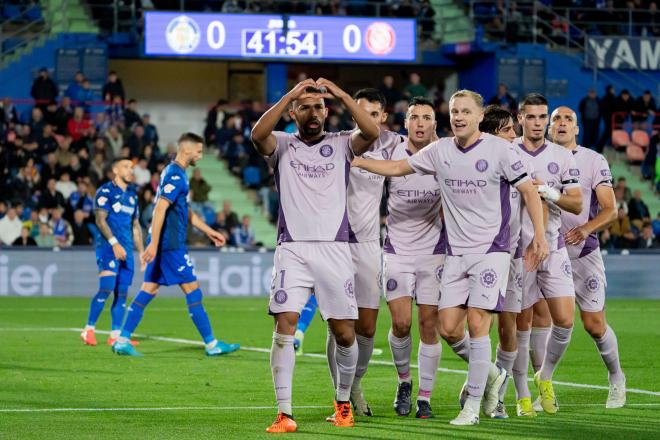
(295, 37)
(631, 53)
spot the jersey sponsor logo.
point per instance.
(348, 289)
(592, 284)
(128, 209)
(312, 170)
(481, 165)
(566, 269)
(465, 186)
(553, 167)
(517, 166)
(438, 272)
(326, 150)
(116, 207)
(488, 278)
(176, 177)
(169, 188)
(102, 201)
(280, 296)
(391, 284)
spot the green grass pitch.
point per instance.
(176, 392)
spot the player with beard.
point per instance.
(556, 178)
(580, 233)
(474, 170)
(312, 172)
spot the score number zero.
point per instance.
(216, 36)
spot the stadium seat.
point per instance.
(620, 139)
(634, 153)
(33, 13)
(251, 177)
(11, 12)
(641, 138)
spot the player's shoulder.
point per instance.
(105, 189)
(557, 149)
(174, 172)
(590, 154)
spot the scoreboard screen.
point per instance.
(276, 37)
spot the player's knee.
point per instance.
(428, 330)
(401, 326)
(367, 330)
(452, 335)
(595, 326)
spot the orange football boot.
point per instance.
(282, 423)
(88, 337)
(343, 415)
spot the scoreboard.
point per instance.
(277, 37)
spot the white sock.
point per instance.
(365, 350)
(282, 363)
(538, 343)
(401, 349)
(505, 359)
(89, 327)
(558, 342)
(609, 351)
(462, 348)
(347, 358)
(521, 365)
(212, 345)
(428, 358)
(478, 368)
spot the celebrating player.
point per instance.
(556, 178)
(166, 256)
(117, 218)
(312, 172)
(580, 233)
(414, 256)
(474, 171)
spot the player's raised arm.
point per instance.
(156, 228)
(216, 237)
(262, 133)
(537, 250)
(368, 131)
(388, 168)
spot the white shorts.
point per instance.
(475, 280)
(367, 264)
(590, 282)
(416, 276)
(514, 286)
(325, 267)
(553, 278)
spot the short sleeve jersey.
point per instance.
(122, 210)
(594, 171)
(556, 167)
(414, 226)
(365, 190)
(174, 188)
(474, 183)
(312, 180)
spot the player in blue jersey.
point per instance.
(119, 230)
(166, 255)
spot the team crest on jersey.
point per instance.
(391, 284)
(326, 150)
(348, 289)
(574, 172)
(553, 168)
(116, 207)
(488, 278)
(168, 188)
(481, 165)
(281, 296)
(566, 268)
(517, 166)
(592, 284)
(112, 264)
(438, 272)
(102, 201)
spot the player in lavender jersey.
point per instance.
(414, 254)
(580, 233)
(475, 171)
(556, 178)
(311, 170)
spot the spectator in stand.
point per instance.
(146, 201)
(647, 239)
(590, 116)
(621, 231)
(656, 226)
(87, 95)
(405, 9)
(233, 151)
(101, 123)
(26, 182)
(652, 21)
(637, 209)
(8, 112)
(61, 228)
(620, 200)
(113, 88)
(45, 238)
(75, 90)
(137, 141)
(623, 107)
(3, 209)
(78, 126)
(131, 115)
(199, 188)
(24, 239)
(150, 131)
(425, 19)
(65, 186)
(44, 90)
(141, 173)
(333, 124)
(151, 157)
(622, 183)
(115, 140)
(388, 90)
(644, 108)
(62, 115)
(33, 223)
(37, 122)
(244, 234)
(50, 112)
(231, 7)
(607, 106)
(221, 225)
(443, 126)
(47, 143)
(504, 100)
(80, 201)
(97, 168)
(414, 87)
(10, 227)
(80, 229)
(115, 112)
(215, 120)
(232, 218)
(51, 197)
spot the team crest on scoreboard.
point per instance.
(183, 34)
(380, 38)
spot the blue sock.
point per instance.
(199, 316)
(307, 314)
(106, 287)
(135, 312)
(118, 309)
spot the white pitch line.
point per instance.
(322, 356)
(259, 408)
